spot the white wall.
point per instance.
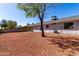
(61, 31)
(70, 31)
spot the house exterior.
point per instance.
(69, 25)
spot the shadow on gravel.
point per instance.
(65, 43)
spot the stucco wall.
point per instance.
(59, 27)
(56, 26)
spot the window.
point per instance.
(69, 25)
(47, 26)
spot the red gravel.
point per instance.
(32, 44)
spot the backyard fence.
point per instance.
(13, 30)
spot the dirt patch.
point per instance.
(32, 44)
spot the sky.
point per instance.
(9, 11)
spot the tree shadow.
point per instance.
(65, 43)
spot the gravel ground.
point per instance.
(32, 44)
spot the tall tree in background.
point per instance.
(37, 9)
(3, 24)
(11, 24)
(8, 24)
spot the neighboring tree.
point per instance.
(11, 24)
(3, 24)
(29, 27)
(33, 10)
(32, 23)
(8, 24)
(28, 24)
(20, 26)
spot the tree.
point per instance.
(37, 9)
(11, 24)
(20, 26)
(8, 24)
(3, 24)
(32, 23)
(28, 24)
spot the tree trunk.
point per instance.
(42, 29)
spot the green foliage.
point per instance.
(11, 24)
(8, 24)
(32, 9)
(3, 24)
(35, 9)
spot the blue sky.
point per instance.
(9, 11)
